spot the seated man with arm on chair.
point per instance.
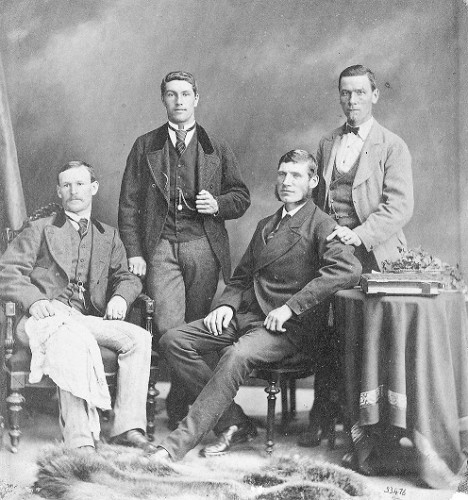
(271, 309)
(70, 271)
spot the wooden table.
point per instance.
(405, 362)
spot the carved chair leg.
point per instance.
(284, 404)
(151, 402)
(292, 398)
(15, 401)
(272, 390)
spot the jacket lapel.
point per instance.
(59, 242)
(207, 162)
(158, 161)
(367, 159)
(284, 240)
(101, 249)
(330, 149)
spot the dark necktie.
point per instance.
(83, 229)
(278, 226)
(181, 134)
(351, 130)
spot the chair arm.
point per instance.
(7, 337)
(146, 305)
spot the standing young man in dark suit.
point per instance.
(179, 186)
(366, 185)
(70, 271)
(270, 310)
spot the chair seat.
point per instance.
(298, 366)
(20, 361)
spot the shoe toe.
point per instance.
(135, 439)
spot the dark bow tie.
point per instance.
(351, 130)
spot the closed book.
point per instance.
(417, 283)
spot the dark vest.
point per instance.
(183, 222)
(81, 260)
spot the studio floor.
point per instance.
(40, 427)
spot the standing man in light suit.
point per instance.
(366, 185)
(179, 186)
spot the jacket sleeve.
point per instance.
(16, 265)
(132, 193)
(397, 201)
(339, 269)
(121, 281)
(241, 280)
(234, 199)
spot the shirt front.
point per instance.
(350, 147)
(293, 211)
(173, 136)
(75, 218)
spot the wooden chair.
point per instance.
(16, 359)
(281, 377)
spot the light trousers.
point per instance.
(133, 345)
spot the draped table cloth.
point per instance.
(405, 364)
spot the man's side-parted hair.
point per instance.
(179, 75)
(77, 164)
(300, 156)
(358, 70)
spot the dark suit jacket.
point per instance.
(144, 197)
(298, 267)
(382, 189)
(37, 265)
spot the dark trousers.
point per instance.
(182, 279)
(240, 351)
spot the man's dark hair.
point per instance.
(179, 75)
(358, 70)
(77, 164)
(300, 156)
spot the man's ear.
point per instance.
(197, 98)
(375, 96)
(59, 194)
(313, 181)
(94, 187)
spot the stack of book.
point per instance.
(406, 283)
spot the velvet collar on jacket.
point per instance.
(162, 135)
(61, 218)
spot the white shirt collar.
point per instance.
(293, 211)
(76, 217)
(365, 127)
(172, 134)
(173, 125)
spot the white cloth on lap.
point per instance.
(67, 352)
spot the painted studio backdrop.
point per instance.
(83, 82)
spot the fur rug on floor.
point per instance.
(117, 473)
